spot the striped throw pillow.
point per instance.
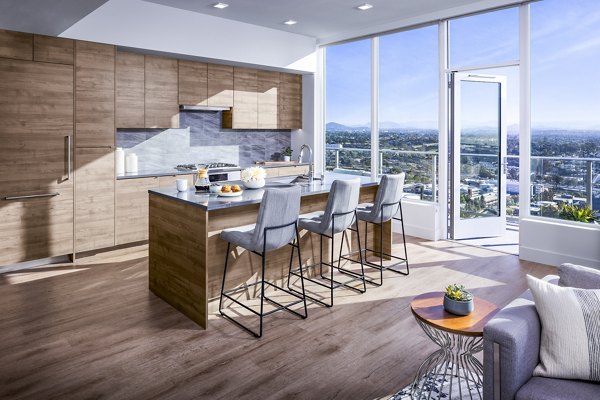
(570, 340)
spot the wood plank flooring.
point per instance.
(94, 330)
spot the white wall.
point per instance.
(144, 25)
(307, 133)
(420, 219)
(554, 243)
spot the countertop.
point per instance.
(253, 196)
(173, 171)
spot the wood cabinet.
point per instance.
(220, 85)
(129, 75)
(16, 45)
(244, 114)
(36, 114)
(95, 199)
(268, 89)
(193, 83)
(94, 94)
(131, 212)
(53, 49)
(161, 93)
(290, 101)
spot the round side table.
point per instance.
(453, 368)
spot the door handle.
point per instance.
(68, 138)
(31, 196)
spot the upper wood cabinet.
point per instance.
(290, 101)
(16, 45)
(193, 83)
(94, 95)
(129, 90)
(244, 114)
(53, 49)
(268, 89)
(220, 85)
(161, 93)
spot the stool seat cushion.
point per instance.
(311, 221)
(342, 200)
(240, 236)
(364, 212)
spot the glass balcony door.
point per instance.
(478, 160)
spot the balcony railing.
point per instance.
(420, 167)
(553, 179)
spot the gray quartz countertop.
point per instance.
(173, 171)
(253, 196)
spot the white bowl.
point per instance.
(254, 184)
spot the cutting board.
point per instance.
(275, 162)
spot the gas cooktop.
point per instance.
(210, 166)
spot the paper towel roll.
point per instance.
(119, 161)
(131, 163)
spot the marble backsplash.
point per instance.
(201, 139)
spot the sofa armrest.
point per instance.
(511, 344)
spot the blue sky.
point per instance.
(565, 72)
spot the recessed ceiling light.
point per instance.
(290, 22)
(220, 5)
(364, 7)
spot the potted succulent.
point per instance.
(458, 300)
(287, 154)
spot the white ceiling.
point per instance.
(47, 17)
(317, 18)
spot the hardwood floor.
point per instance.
(93, 330)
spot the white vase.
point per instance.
(254, 184)
(286, 158)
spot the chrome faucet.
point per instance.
(311, 173)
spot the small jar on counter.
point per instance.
(201, 181)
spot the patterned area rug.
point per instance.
(439, 390)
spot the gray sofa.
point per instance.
(511, 343)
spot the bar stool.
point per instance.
(276, 226)
(339, 216)
(388, 202)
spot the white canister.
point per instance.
(119, 161)
(131, 163)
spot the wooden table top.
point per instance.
(429, 308)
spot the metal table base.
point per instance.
(452, 370)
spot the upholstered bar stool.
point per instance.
(388, 203)
(338, 217)
(276, 226)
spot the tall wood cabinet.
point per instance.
(244, 114)
(36, 158)
(161, 93)
(95, 140)
(129, 75)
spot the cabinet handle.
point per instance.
(31, 196)
(68, 156)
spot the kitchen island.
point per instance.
(187, 255)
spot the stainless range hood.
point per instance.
(189, 107)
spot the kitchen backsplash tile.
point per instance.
(201, 140)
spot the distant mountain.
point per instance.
(335, 127)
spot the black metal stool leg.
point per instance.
(224, 275)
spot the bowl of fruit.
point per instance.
(230, 191)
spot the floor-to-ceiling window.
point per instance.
(348, 107)
(565, 109)
(408, 108)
